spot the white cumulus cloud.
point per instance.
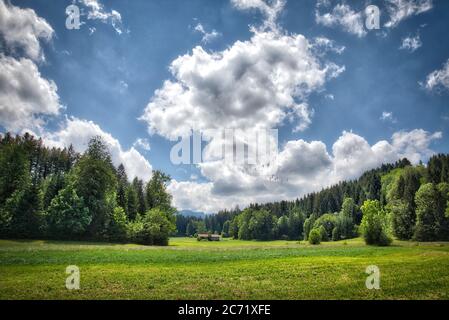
(301, 167)
(256, 83)
(22, 29)
(25, 97)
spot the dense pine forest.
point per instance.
(396, 200)
(51, 193)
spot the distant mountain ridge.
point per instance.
(190, 213)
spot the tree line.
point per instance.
(55, 193)
(395, 200)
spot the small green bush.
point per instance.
(315, 236)
(323, 232)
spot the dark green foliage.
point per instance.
(295, 224)
(142, 205)
(438, 169)
(344, 222)
(315, 236)
(432, 224)
(157, 227)
(308, 226)
(225, 232)
(96, 182)
(67, 215)
(51, 187)
(282, 227)
(118, 224)
(256, 224)
(350, 209)
(122, 187)
(185, 225)
(328, 222)
(14, 169)
(25, 210)
(156, 193)
(190, 230)
(132, 203)
(200, 226)
(234, 228)
(344, 228)
(55, 193)
(261, 225)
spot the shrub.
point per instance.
(315, 236)
(344, 228)
(308, 226)
(117, 230)
(157, 228)
(323, 232)
(134, 230)
(336, 234)
(328, 222)
(373, 227)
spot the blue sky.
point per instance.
(109, 77)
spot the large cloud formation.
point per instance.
(301, 167)
(258, 83)
(261, 83)
(22, 29)
(24, 95)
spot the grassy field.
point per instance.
(229, 269)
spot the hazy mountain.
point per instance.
(190, 213)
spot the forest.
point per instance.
(395, 200)
(53, 193)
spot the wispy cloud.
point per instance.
(388, 117)
(438, 79)
(142, 144)
(207, 36)
(400, 10)
(411, 43)
(341, 16)
(96, 11)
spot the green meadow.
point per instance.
(229, 269)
